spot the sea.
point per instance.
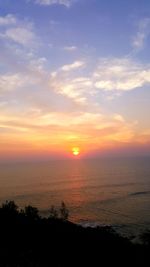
(102, 191)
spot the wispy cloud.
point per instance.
(73, 66)
(113, 75)
(75, 88)
(66, 3)
(70, 48)
(99, 128)
(38, 125)
(143, 32)
(20, 35)
(122, 74)
(13, 82)
(8, 20)
(17, 31)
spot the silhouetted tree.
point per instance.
(9, 205)
(64, 213)
(31, 212)
(9, 208)
(53, 213)
(28, 241)
(145, 237)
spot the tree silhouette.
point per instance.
(9, 208)
(30, 240)
(31, 212)
(53, 213)
(64, 213)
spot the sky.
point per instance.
(74, 73)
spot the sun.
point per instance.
(75, 151)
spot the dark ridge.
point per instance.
(28, 240)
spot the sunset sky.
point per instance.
(74, 73)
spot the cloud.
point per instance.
(11, 82)
(64, 127)
(70, 48)
(114, 75)
(33, 124)
(142, 34)
(20, 35)
(15, 81)
(8, 20)
(62, 83)
(76, 88)
(121, 74)
(37, 65)
(66, 3)
(17, 31)
(73, 66)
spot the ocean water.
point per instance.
(96, 191)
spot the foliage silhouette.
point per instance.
(28, 240)
(64, 213)
(53, 213)
(9, 207)
(31, 212)
(145, 237)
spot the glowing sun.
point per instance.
(75, 151)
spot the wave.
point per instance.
(140, 193)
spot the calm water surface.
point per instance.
(97, 191)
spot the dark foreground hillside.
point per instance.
(28, 240)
